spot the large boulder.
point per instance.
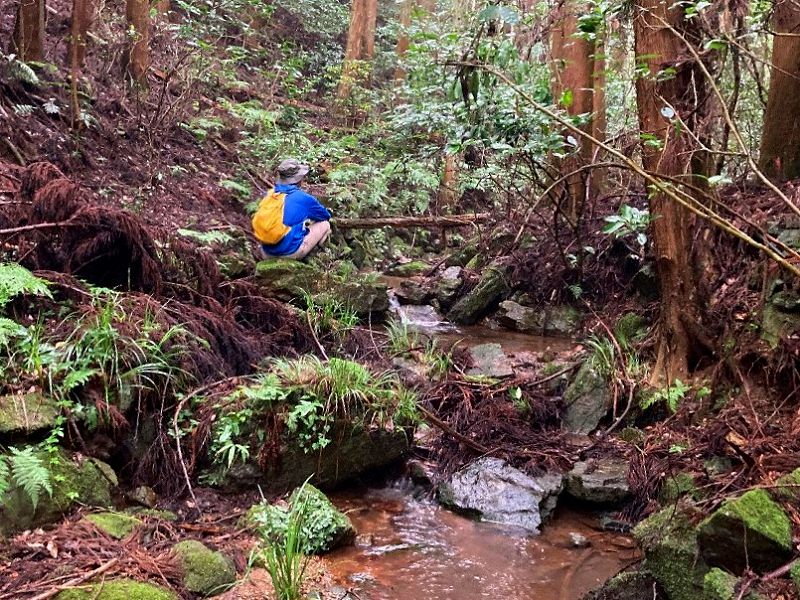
(120, 589)
(287, 279)
(492, 287)
(324, 528)
(602, 481)
(749, 531)
(629, 585)
(352, 452)
(669, 541)
(75, 482)
(497, 492)
(204, 571)
(587, 400)
(23, 414)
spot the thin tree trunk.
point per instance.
(599, 118)
(82, 16)
(656, 96)
(406, 9)
(137, 59)
(27, 41)
(780, 142)
(573, 88)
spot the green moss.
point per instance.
(155, 513)
(324, 527)
(719, 585)
(415, 267)
(752, 530)
(205, 572)
(632, 435)
(669, 541)
(123, 589)
(87, 482)
(26, 413)
(113, 524)
(676, 487)
(794, 574)
(787, 488)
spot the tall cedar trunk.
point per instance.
(82, 16)
(599, 119)
(659, 48)
(573, 87)
(137, 58)
(360, 42)
(402, 39)
(780, 143)
(27, 41)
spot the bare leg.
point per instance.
(318, 232)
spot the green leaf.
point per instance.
(30, 474)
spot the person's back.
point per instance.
(289, 222)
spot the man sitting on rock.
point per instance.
(290, 223)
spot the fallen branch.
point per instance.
(77, 581)
(432, 221)
(434, 420)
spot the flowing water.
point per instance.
(412, 549)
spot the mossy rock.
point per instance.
(153, 513)
(86, 482)
(794, 574)
(492, 287)
(409, 269)
(561, 320)
(121, 589)
(719, 585)
(669, 541)
(787, 488)
(115, 525)
(324, 528)
(462, 256)
(628, 585)
(587, 400)
(677, 486)
(749, 530)
(23, 414)
(205, 571)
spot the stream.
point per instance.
(409, 548)
(412, 549)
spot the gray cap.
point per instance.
(291, 170)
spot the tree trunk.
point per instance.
(599, 119)
(360, 44)
(780, 142)
(27, 41)
(573, 89)
(82, 16)
(406, 9)
(137, 58)
(668, 152)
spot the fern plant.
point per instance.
(26, 470)
(15, 280)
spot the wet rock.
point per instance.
(85, 482)
(204, 571)
(586, 400)
(462, 256)
(629, 585)
(522, 318)
(421, 472)
(287, 279)
(497, 492)
(448, 286)
(489, 360)
(578, 540)
(409, 269)
(414, 291)
(669, 541)
(23, 414)
(353, 452)
(751, 530)
(719, 585)
(562, 320)
(492, 287)
(121, 589)
(115, 525)
(602, 481)
(325, 527)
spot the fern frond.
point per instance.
(10, 329)
(30, 474)
(16, 279)
(5, 478)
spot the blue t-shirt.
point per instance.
(297, 209)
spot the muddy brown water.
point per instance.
(411, 549)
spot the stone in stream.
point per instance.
(749, 531)
(489, 360)
(601, 481)
(558, 320)
(587, 400)
(414, 291)
(629, 585)
(204, 571)
(499, 493)
(492, 287)
(119, 589)
(446, 290)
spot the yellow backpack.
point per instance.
(268, 224)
